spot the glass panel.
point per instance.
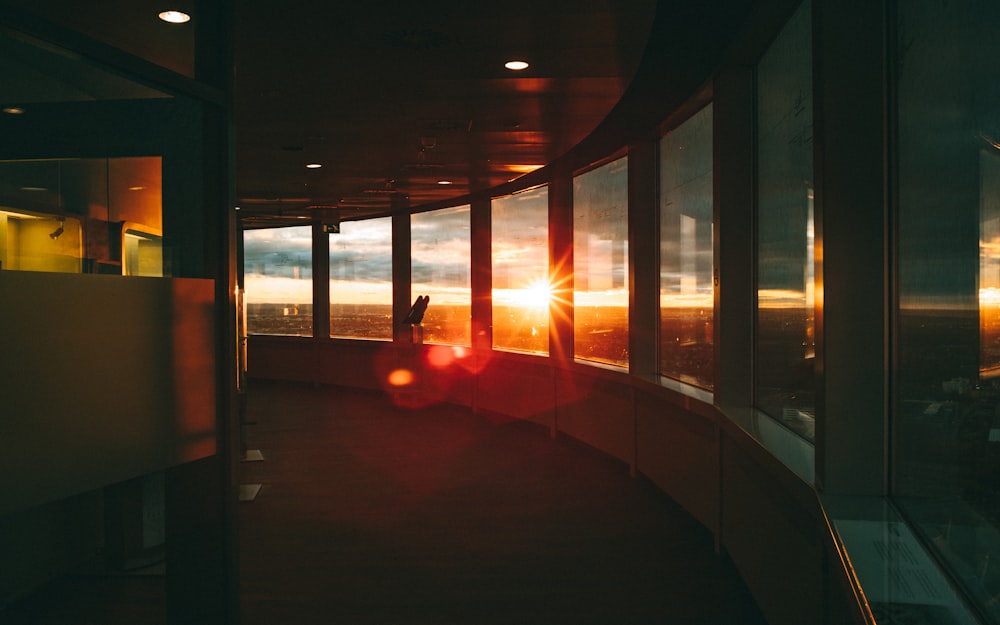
(946, 429)
(92, 199)
(687, 304)
(600, 264)
(785, 341)
(521, 292)
(440, 253)
(135, 201)
(86, 215)
(277, 280)
(361, 279)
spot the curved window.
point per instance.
(687, 305)
(361, 279)
(440, 257)
(600, 264)
(277, 269)
(946, 427)
(521, 291)
(785, 339)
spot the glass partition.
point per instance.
(277, 280)
(82, 215)
(521, 290)
(98, 173)
(102, 174)
(946, 421)
(600, 264)
(441, 257)
(687, 303)
(785, 332)
(361, 279)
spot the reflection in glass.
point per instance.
(277, 270)
(785, 339)
(83, 215)
(142, 252)
(361, 279)
(521, 292)
(440, 257)
(946, 419)
(989, 263)
(600, 264)
(35, 242)
(687, 315)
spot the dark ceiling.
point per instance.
(395, 98)
(411, 99)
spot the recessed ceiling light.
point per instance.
(314, 165)
(174, 17)
(13, 110)
(516, 65)
(444, 182)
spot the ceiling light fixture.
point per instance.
(13, 110)
(444, 182)
(516, 65)
(174, 17)
(314, 165)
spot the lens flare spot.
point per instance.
(440, 356)
(401, 377)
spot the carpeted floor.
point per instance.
(372, 514)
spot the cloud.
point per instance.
(440, 247)
(362, 251)
(285, 252)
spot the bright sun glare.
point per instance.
(535, 295)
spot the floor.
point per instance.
(371, 514)
(368, 513)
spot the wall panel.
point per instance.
(358, 364)
(281, 358)
(679, 452)
(104, 379)
(773, 538)
(518, 389)
(598, 412)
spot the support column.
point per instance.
(733, 178)
(482, 276)
(482, 287)
(643, 261)
(320, 281)
(400, 269)
(850, 205)
(561, 267)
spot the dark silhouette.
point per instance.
(416, 314)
